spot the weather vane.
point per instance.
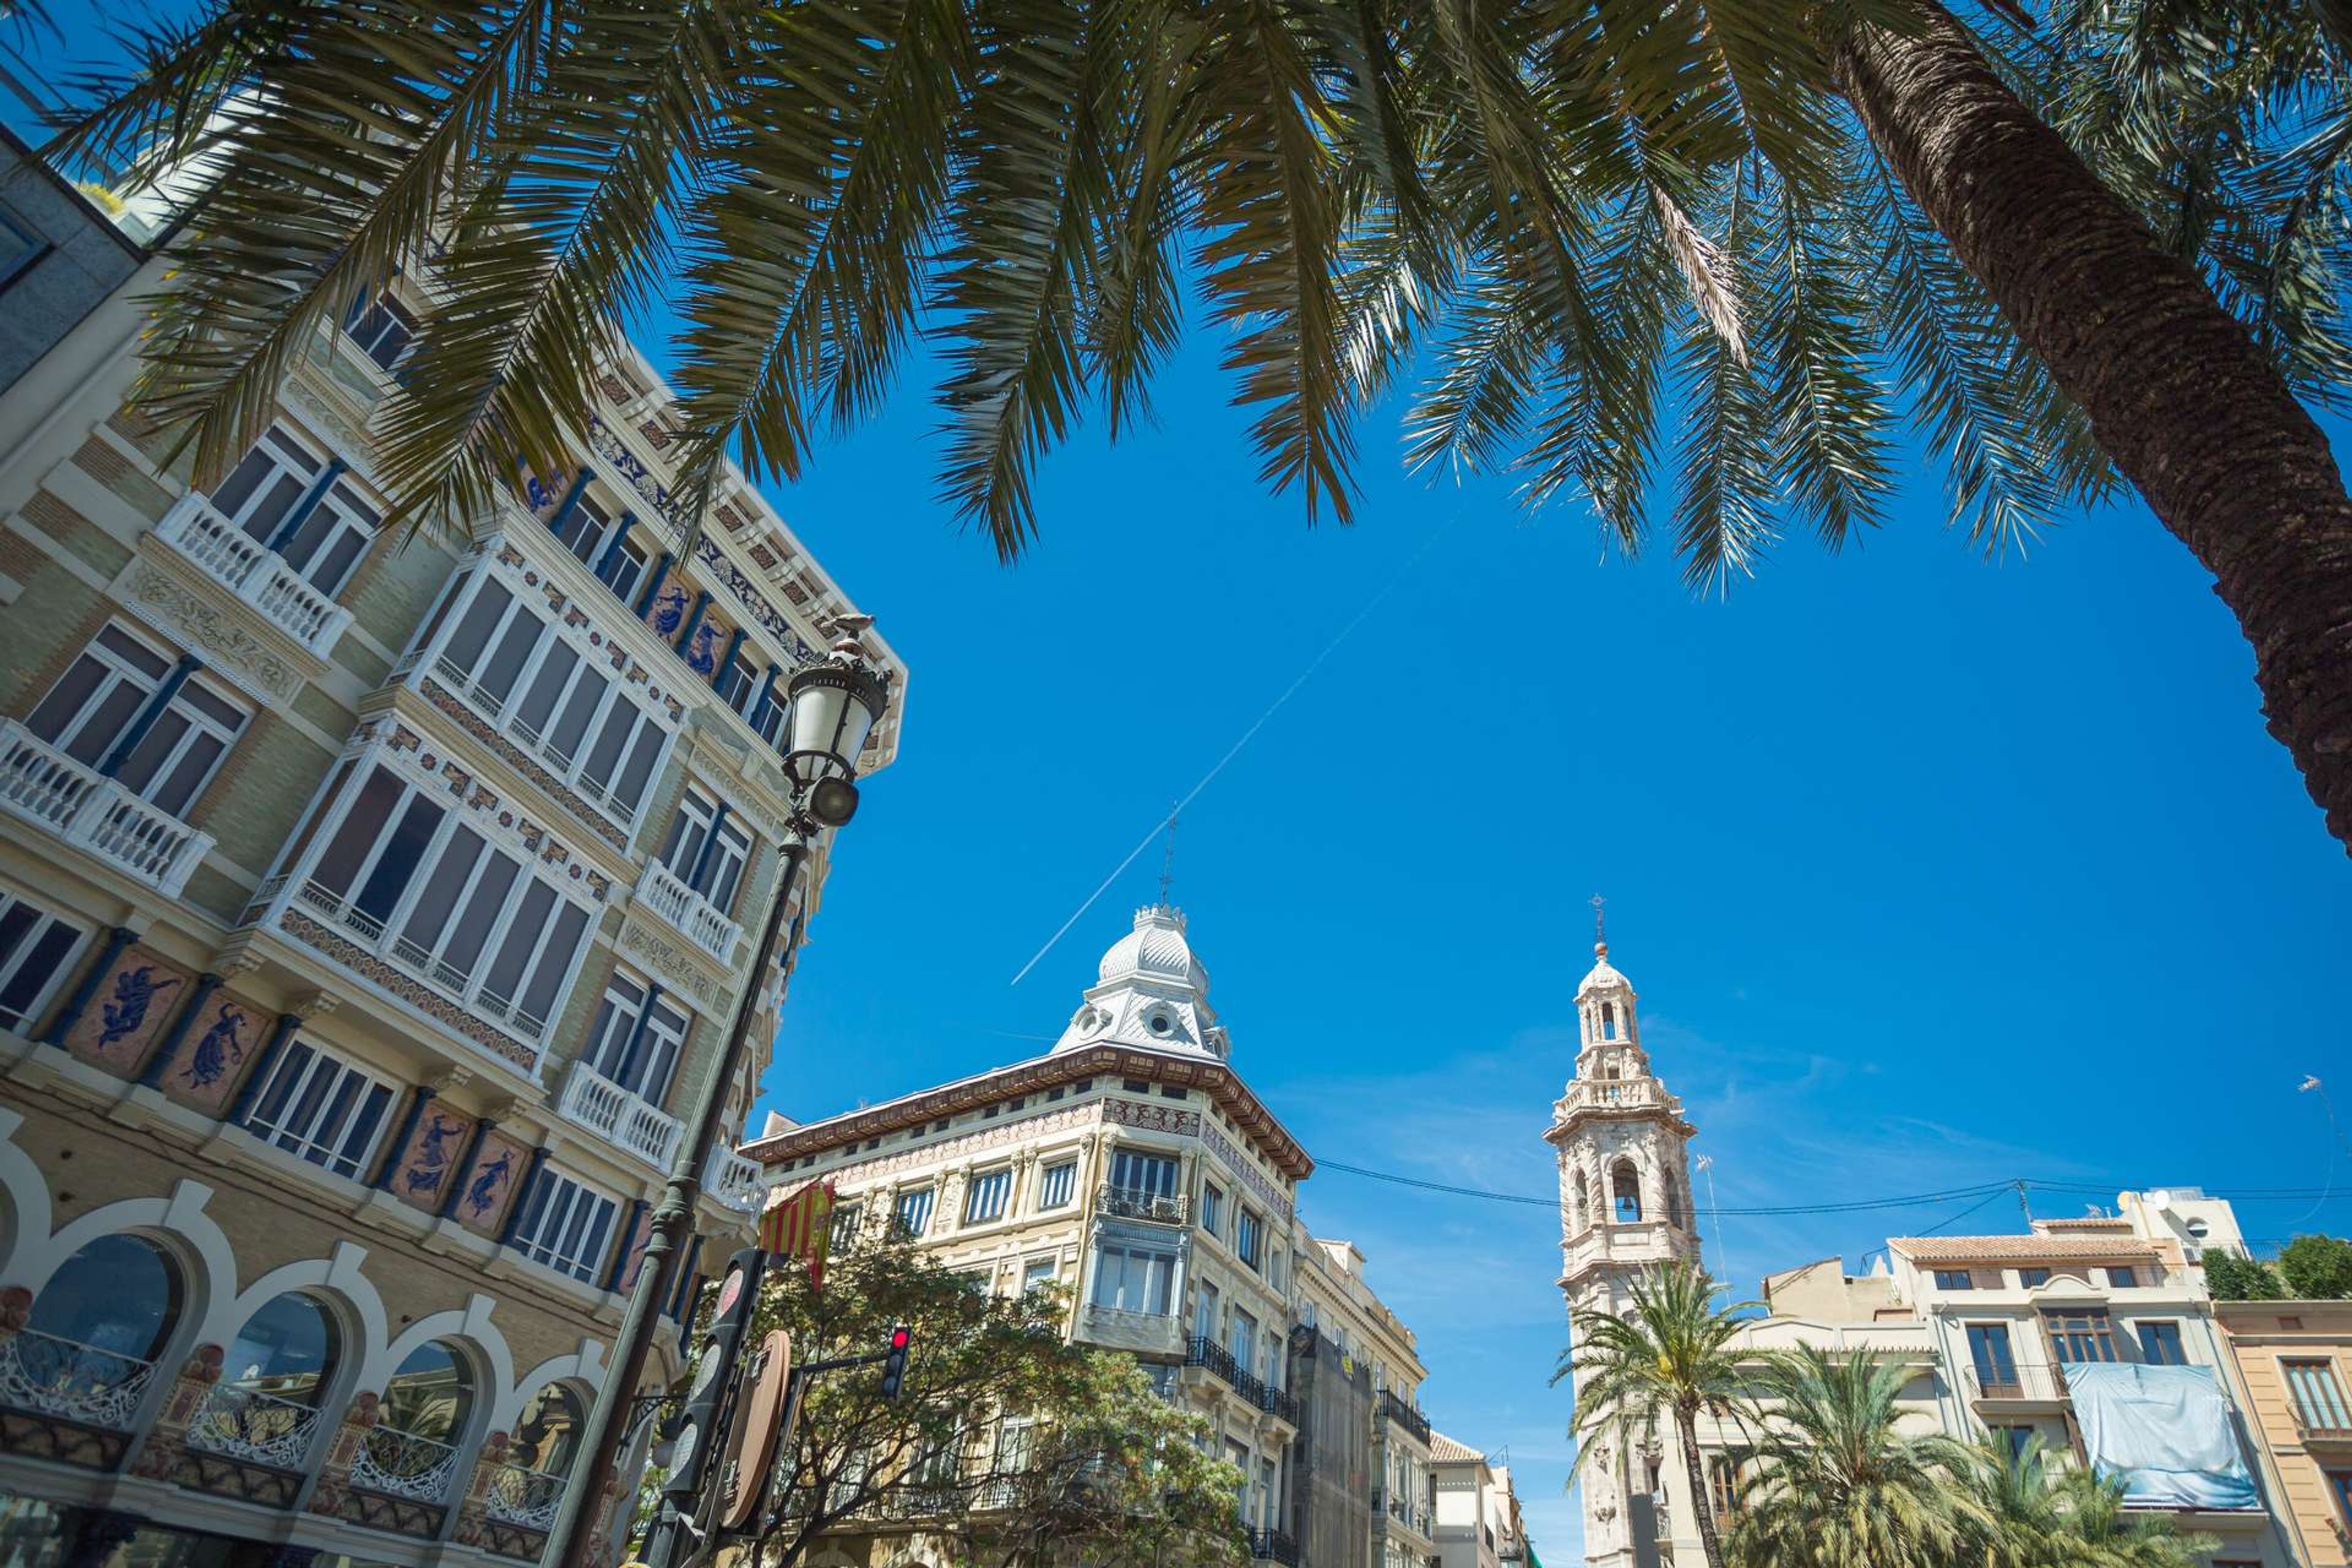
(1168, 862)
(1600, 925)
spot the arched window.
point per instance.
(1625, 1188)
(1576, 1199)
(529, 1487)
(87, 1350)
(266, 1406)
(412, 1450)
(1607, 1020)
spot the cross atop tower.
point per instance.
(1599, 925)
(1167, 861)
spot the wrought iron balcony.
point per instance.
(667, 893)
(256, 574)
(1215, 1359)
(1272, 1546)
(97, 814)
(524, 1496)
(82, 1382)
(1404, 1415)
(1130, 1202)
(625, 1120)
(247, 1423)
(394, 1463)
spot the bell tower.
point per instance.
(1625, 1208)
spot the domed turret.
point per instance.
(1150, 991)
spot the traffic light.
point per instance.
(894, 1365)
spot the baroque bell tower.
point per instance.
(1625, 1208)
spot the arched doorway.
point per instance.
(412, 1450)
(88, 1352)
(267, 1407)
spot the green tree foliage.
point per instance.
(1838, 1484)
(2234, 1275)
(1667, 1359)
(2029, 1514)
(1004, 1435)
(2316, 1268)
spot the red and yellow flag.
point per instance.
(800, 1226)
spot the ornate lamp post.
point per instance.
(835, 704)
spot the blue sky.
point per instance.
(1929, 872)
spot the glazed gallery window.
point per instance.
(108, 695)
(1058, 1185)
(2080, 1336)
(35, 949)
(1129, 1278)
(264, 495)
(1144, 1175)
(984, 1198)
(320, 1107)
(406, 874)
(382, 328)
(633, 1046)
(711, 864)
(560, 698)
(913, 1213)
(565, 1225)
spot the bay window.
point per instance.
(1134, 1277)
(635, 1040)
(412, 879)
(263, 496)
(105, 696)
(558, 696)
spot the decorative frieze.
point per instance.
(968, 1144)
(458, 1019)
(455, 711)
(1151, 1116)
(195, 619)
(1236, 1161)
(679, 966)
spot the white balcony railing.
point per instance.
(731, 1181)
(395, 1463)
(254, 573)
(688, 910)
(55, 1376)
(523, 1497)
(248, 1425)
(599, 1104)
(50, 790)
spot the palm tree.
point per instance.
(1669, 1356)
(2033, 1514)
(1630, 224)
(1838, 1484)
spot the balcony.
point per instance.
(665, 892)
(733, 1182)
(597, 1103)
(261, 1428)
(254, 573)
(525, 1498)
(95, 815)
(1404, 1511)
(1404, 1416)
(1216, 1360)
(356, 925)
(2043, 1386)
(47, 1375)
(1130, 1202)
(1272, 1546)
(2326, 1428)
(1114, 1328)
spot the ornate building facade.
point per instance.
(1132, 1163)
(371, 905)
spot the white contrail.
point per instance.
(1234, 751)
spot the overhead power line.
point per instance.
(1985, 1190)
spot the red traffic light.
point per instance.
(894, 1362)
(900, 1336)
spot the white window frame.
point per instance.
(1038, 1271)
(396, 314)
(15, 964)
(616, 1019)
(291, 451)
(123, 673)
(567, 1225)
(500, 711)
(315, 1103)
(723, 877)
(1150, 1269)
(1060, 1178)
(469, 986)
(996, 1184)
(918, 1201)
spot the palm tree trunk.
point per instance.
(1702, 1505)
(2176, 393)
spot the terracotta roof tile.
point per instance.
(1444, 1450)
(2106, 1224)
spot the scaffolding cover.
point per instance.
(1331, 1466)
(2166, 1432)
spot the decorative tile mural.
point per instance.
(668, 611)
(429, 1163)
(220, 1046)
(134, 999)
(491, 1183)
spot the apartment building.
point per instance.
(1133, 1163)
(2294, 1365)
(370, 905)
(1477, 1513)
(2096, 1335)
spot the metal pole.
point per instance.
(567, 1541)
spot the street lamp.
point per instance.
(835, 704)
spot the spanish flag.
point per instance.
(800, 1226)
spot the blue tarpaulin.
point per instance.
(2165, 1432)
